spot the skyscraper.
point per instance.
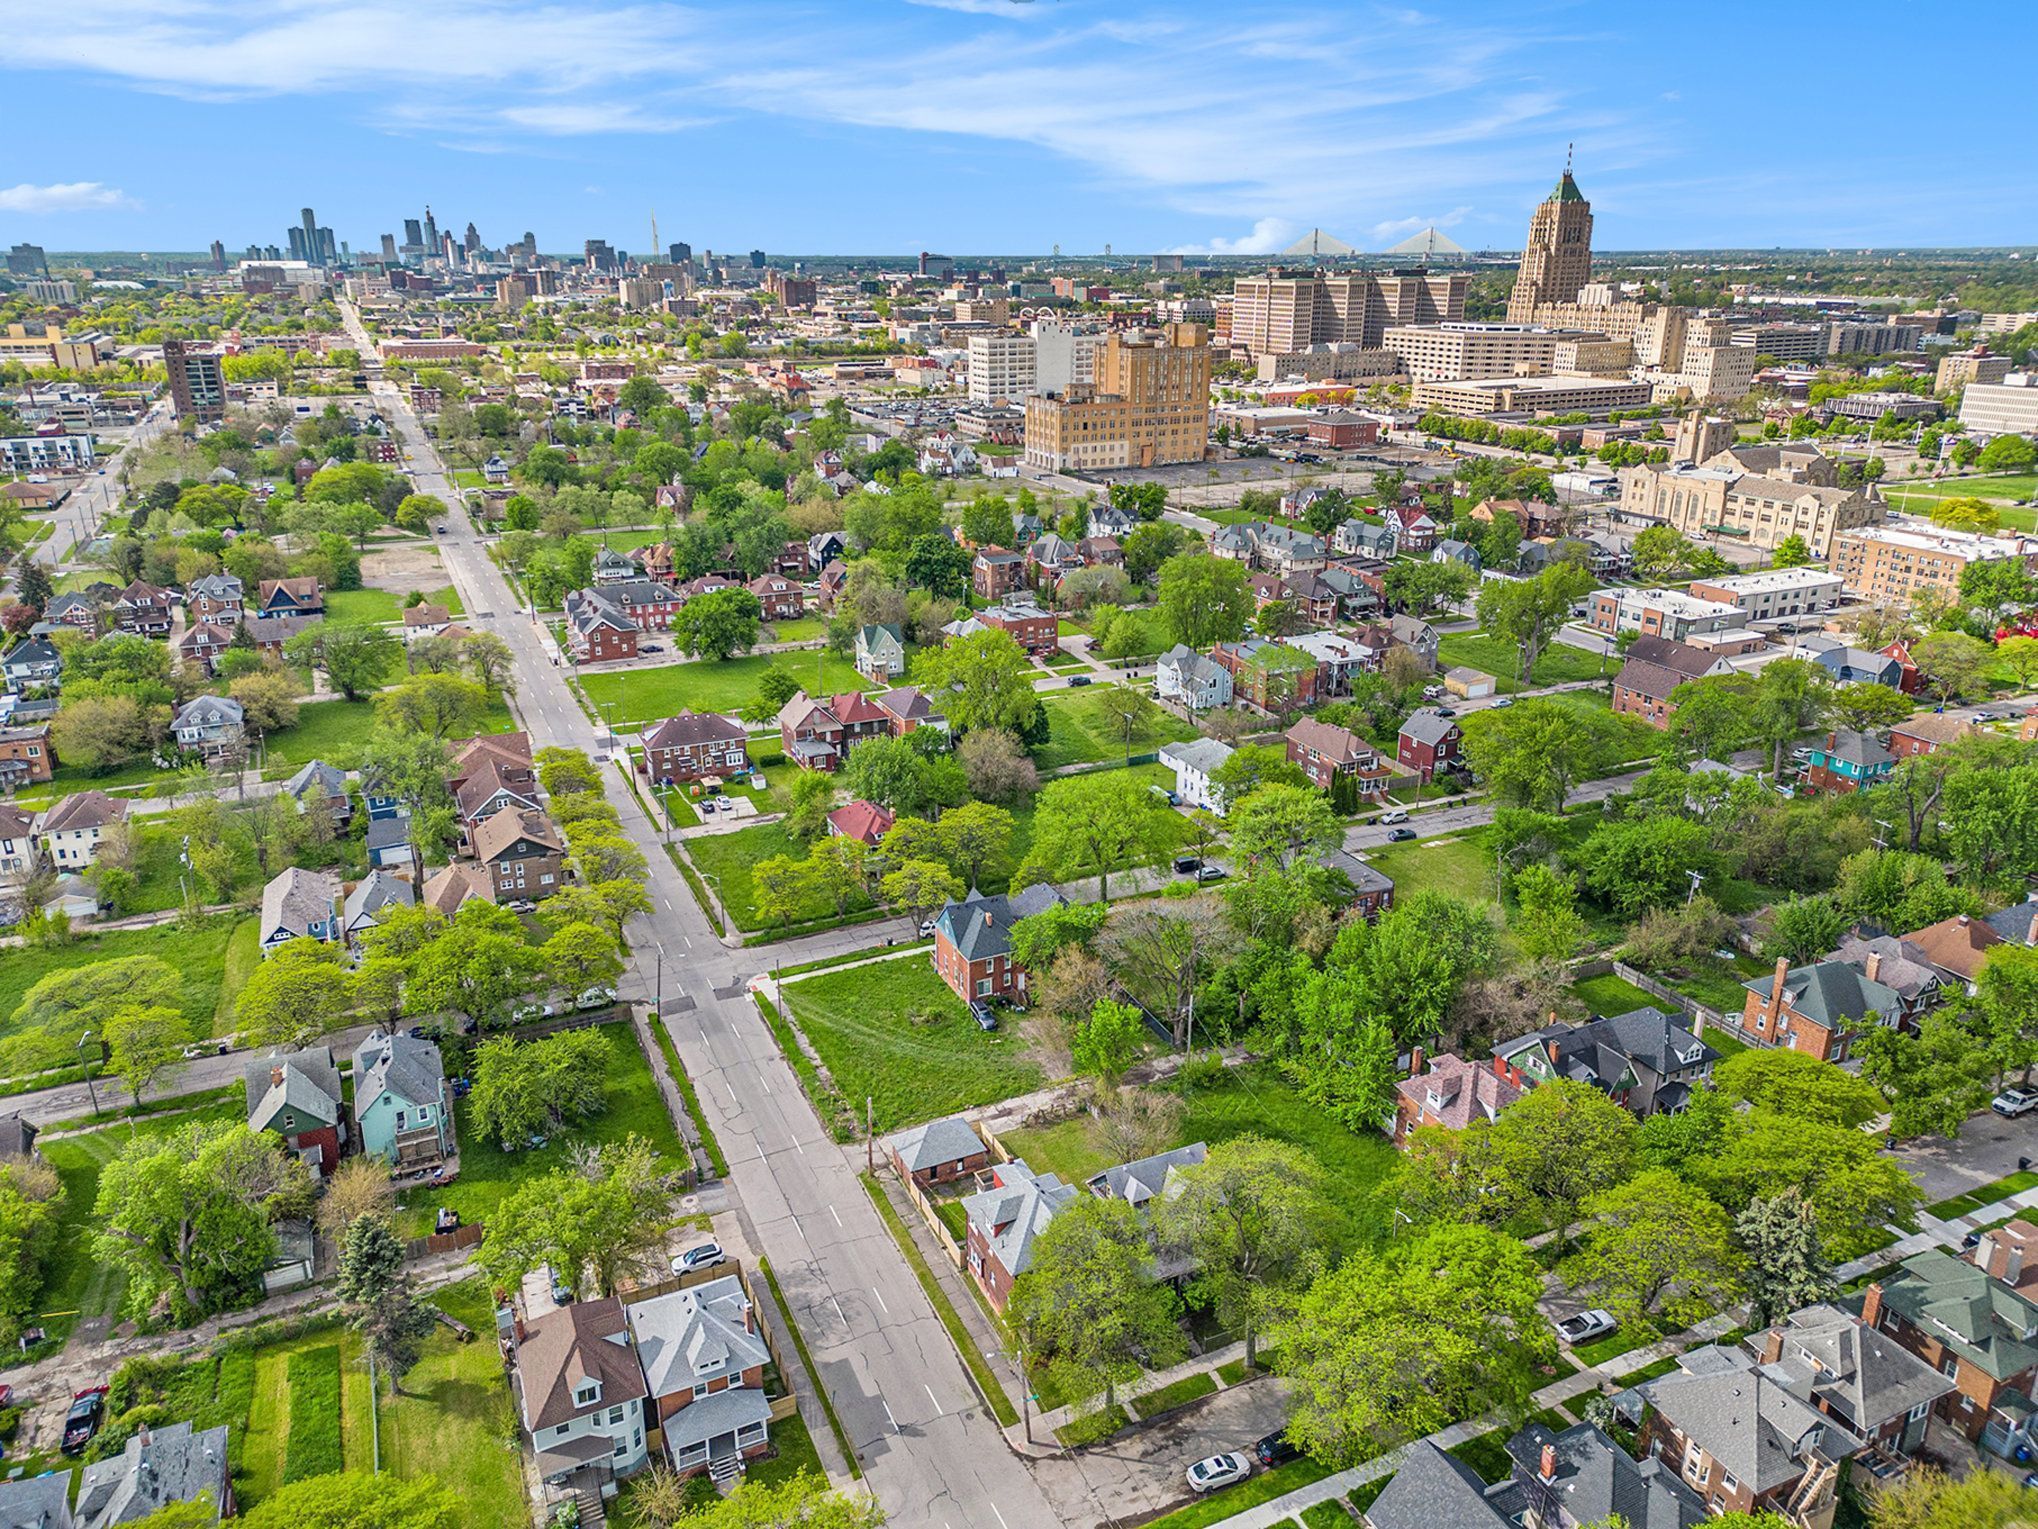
(218, 256)
(389, 249)
(680, 253)
(27, 260)
(431, 230)
(472, 243)
(197, 385)
(413, 234)
(757, 260)
(1557, 262)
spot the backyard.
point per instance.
(1080, 731)
(893, 1031)
(649, 695)
(725, 860)
(382, 606)
(198, 953)
(1559, 664)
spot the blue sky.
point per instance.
(879, 126)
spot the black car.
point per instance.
(1274, 1450)
(1076, 681)
(1400, 835)
(981, 1013)
(88, 1411)
(1184, 864)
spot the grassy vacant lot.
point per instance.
(1254, 1100)
(1609, 994)
(1560, 663)
(2003, 488)
(1461, 864)
(648, 695)
(725, 860)
(197, 953)
(336, 731)
(487, 1173)
(894, 1031)
(1079, 732)
(376, 605)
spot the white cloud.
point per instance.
(66, 196)
(1268, 236)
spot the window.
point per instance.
(1920, 1412)
(615, 1415)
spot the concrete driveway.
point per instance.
(1987, 1149)
(1145, 1472)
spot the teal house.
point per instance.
(402, 1109)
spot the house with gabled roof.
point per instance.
(1450, 1092)
(692, 745)
(973, 943)
(1848, 761)
(1955, 948)
(865, 822)
(1844, 1367)
(291, 597)
(33, 664)
(1004, 1221)
(202, 644)
(144, 610)
(452, 885)
(779, 598)
(1645, 1060)
(296, 1094)
(402, 1108)
(216, 597)
(1429, 742)
(1978, 1330)
(374, 897)
(36, 1502)
(157, 1468)
(1811, 1008)
(1581, 1476)
(1146, 1179)
(300, 904)
(580, 1389)
(910, 709)
(523, 854)
(1433, 1490)
(704, 1361)
(597, 628)
(880, 651)
(613, 567)
(1196, 681)
(211, 726)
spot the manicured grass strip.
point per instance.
(1608, 994)
(1188, 1389)
(833, 1109)
(1265, 1487)
(243, 955)
(120, 1106)
(1364, 1495)
(795, 1453)
(313, 1445)
(1487, 1455)
(693, 1100)
(813, 1370)
(1612, 1346)
(1987, 1194)
(855, 955)
(1092, 1427)
(694, 884)
(1651, 1371)
(1325, 1515)
(980, 1372)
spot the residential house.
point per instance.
(613, 567)
(1372, 890)
(1272, 676)
(1903, 969)
(1356, 598)
(1450, 550)
(703, 1361)
(33, 664)
(1977, 1330)
(143, 610)
(597, 628)
(300, 904)
(817, 734)
(1198, 683)
(270, 633)
(693, 745)
(1337, 657)
(495, 469)
(523, 854)
(2009, 1252)
(1101, 552)
(1035, 630)
(1419, 636)
(75, 609)
(68, 835)
(1109, 520)
(1414, 532)
(1847, 762)
(156, 1469)
(1373, 540)
(202, 644)
(1859, 666)
(2018, 923)
(1429, 743)
(290, 597)
(996, 572)
(421, 621)
(388, 843)
(1533, 516)
(778, 596)
(911, 709)
(1954, 948)
(865, 822)
(1809, 1008)
(27, 757)
(317, 781)
(296, 1094)
(37, 1502)
(823, 548)
(1656, 666)
(1450, 1092)
(490, 777)
(1050, 560)
(1582, 1477)
(1743, 1439)
(452, 885)
(1879, 1390)
(580, 1390)
(650, 603)
(938, 1152)
(1432, 1490)
(1927, 732)
(1329, 755)
(829, 585)
(1003, 1222)
(1645, 1060)
(1194, 763)
(1025, 527)
(1270, 548)
(973, 943)
(210, 725)
(706, 584)
(17, 845)
(880, 651)
(1141, 1182)
(403, 1112)
(373, 898)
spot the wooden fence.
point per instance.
(466, 1236)
(1702, 1017)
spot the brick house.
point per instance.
(523, 854)
(1450, 1092)
(143, 610)
(1372, 889)
(597, 628)
(937, 1152)
(651, 603)
(1974, 1329)
(833, 577)
(1954, 948)
(995, 573)
(911, 709)
(704, 1361)
(297, 1095)
(27, 757)
(270, 633)
(1328, 754)
(694, 744)
(1880, 1391)
(1927, 732)
(781, 598)
(1271, 675)
(1642, 690)
(973, 943)
(1644, 1060)
(1808, 1008)
(203, 643)
(1003, 1223)
(1035, 630)
(1429, 743)
(817, 734)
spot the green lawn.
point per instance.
(1987, 1194)
(337, 731)
(649, 695)
(2001, 487)
(371, 605)
(1264, 1486)
(799, 629)
(1461, 864)
(892, 1030)
(1080, 733)
(1188, 1389)
(1609, 994)
(197, 954)
(725, 861)
(1559, 664)
(1251, 1100)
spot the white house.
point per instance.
(1192, 679)
(69, 833)
(1193, 763)
(580, 1389)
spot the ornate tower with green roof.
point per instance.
(1557, 262)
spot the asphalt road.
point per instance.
(77, 518)
(929, 1450)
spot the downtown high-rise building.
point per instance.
(1556, 264)
(389, 249)
(413, 234)
(431, 230)
(472, 242)
(218, 256)
(197, 383)
(679, 254)
(1286, 311)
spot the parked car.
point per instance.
(529, 1013)
(1502, 701)
(1398, 815)
(1210, 873)
(1077, 681)
(1185, 864)
(1445, 711)
(88, 1411)
(981, 1013)
(927, 927)
(595, 997)
(708, 1255)
(438, 530)
(1219, 1471)
(1275, 1449)
(1586, 1325)
(650, 647)
(1432, 692)
(1400, 835)
(2012, 1102)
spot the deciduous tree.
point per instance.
(1655, 1252)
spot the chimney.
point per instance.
(1549, 1463)
(1871, 1305)
(987, 920)
(1418, 1064)
(1872, 967)
(276, 1076)
(1775, 1006)
(1963, 921)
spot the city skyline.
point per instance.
(976, 126)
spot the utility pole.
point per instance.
(869, 1140)
(92, 1092)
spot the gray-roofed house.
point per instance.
(973, 943)
(1451, 550)
(296, 1094)
(1809, 1008)
(388, 843)
(1005, 1220)
(1869, 1381)
(1742, 1439)
(1432, 1490)
(1976, 1329)
(1372, 889)
(1193, 763)
(1429, 742)
(1847, 761)
(1645, 1060)
(1193, 679)
(1580, 1476)
(703, 1361)
(401, 1108)
(938, 1151)
(1897, 965)
(372, 898)
(37, 1502)
(159, 1466)
(298, 904)
(1369, 539)
(2017, 924)
(319, 781)
(1148, 1178)
(880, 652)
(210, 725)
(31, 664)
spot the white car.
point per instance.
(708, 1255)
(2012, 1102)
(1219, 1471)
(1586, 1325)
(530, 1013)
(1396, 816)
(595, 997)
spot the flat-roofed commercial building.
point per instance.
(1661, 613)
(1449, 352)
(2009, 407)
(1784, 341)
(1149, 405)
(1774, 593)
(1893, 562)
(1755, 510)
(1871, 337)
(1518, 395)
(1968, 367)
(1000, 367)
(1284, 311)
